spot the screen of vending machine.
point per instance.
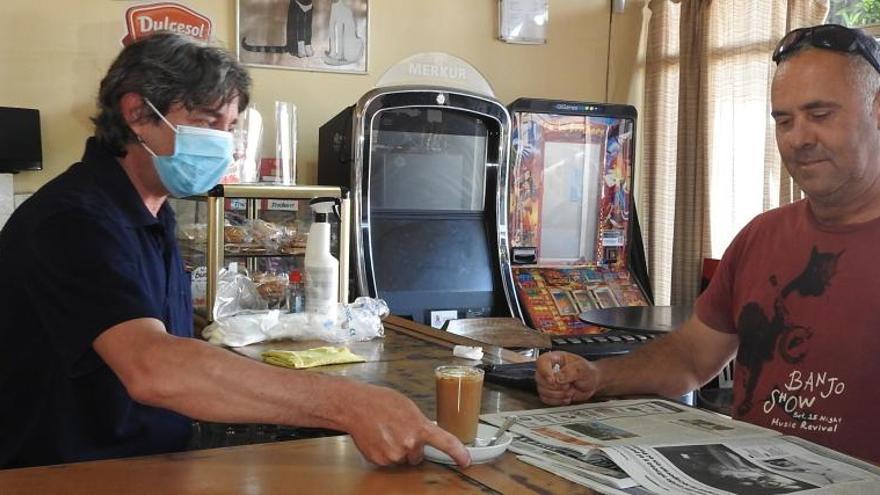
(428, 263)
(433, 254)
(427, 160)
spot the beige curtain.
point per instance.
(710, 159)
(656, 176)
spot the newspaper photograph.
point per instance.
(580, 477)
(753, 466)
(656, 446)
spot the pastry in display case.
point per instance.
(256, 230)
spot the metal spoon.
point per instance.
(498, 433)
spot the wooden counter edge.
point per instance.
(449, 340)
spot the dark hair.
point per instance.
(166, 68)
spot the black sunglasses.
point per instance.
(830, 37)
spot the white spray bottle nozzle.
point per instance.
(323, 207)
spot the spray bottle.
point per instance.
(321, 267)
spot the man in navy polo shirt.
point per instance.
(97, 359)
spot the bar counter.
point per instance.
(403, 360)
(330, 465)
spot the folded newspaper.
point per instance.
(654, 446)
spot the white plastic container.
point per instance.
(321, 267)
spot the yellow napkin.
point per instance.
(309, 358)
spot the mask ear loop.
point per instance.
(169, 124)
(172, 126)
(142, 143)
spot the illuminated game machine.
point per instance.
(422, 153)
(574, 240)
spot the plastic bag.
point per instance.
(358, 321)
(236, 293)
(272, 287)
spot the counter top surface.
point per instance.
(404, 360)
(320, 465)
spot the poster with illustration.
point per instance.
(570, 187)
(317, 35)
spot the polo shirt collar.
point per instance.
(112, 178)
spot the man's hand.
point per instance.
(564, 378)
(389, 429)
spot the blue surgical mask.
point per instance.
(201, 156)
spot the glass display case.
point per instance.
(263, 230)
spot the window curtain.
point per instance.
(710, 162)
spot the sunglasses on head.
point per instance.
(830, 37)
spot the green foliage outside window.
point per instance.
(854, 12)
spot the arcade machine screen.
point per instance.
(427, 188)
(570, 205)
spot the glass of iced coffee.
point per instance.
(459, 392)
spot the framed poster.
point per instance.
(523, 21)
(316, 35)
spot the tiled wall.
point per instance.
(7, 199)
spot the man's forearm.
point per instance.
(656, 368)
(670, 366)
(209, 383)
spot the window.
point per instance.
(709, 140)
(856, 13)
(738, 69)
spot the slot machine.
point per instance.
(424, 154)
(574, 239)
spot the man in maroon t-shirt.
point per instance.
(794, 296)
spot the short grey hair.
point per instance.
(864, 77)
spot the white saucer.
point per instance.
(479, 455)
